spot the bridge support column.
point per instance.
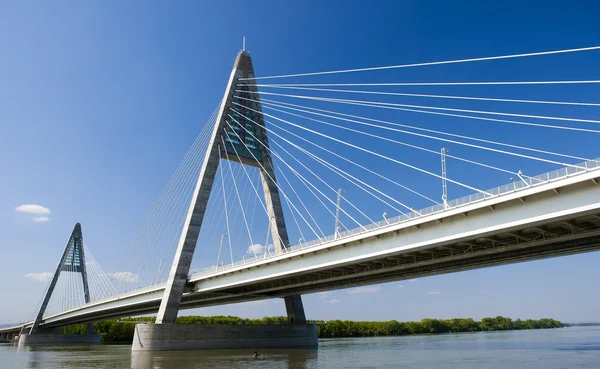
(52, 339)
(52, 336)
(295, 309)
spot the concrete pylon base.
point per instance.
(164, 337)
(58, 339)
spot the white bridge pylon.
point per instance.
(228, 142)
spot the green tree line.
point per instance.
(122, 330)
(347, 328)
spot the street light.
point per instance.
(159, 270)
(384, 217)
(140, 277)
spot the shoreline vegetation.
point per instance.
(122, 330)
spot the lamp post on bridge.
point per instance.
(220, 245)
(158, 272)
(140, 277)
(444, 151)
(337, 214)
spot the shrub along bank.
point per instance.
(122, 330)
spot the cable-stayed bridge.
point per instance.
(355, 181)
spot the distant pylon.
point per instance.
(73, 261)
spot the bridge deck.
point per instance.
(559, 215)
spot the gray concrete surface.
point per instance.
(164, 337)
(58, 339)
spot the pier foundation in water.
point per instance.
(166, 337)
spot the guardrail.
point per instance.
(515, 186)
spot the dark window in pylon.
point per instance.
(242, 139)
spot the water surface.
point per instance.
(567, 348)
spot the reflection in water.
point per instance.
(35, 361)
(268, 358)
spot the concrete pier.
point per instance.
(7, 337)
(165, 337)
(58, 339)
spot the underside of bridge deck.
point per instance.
(566, 237)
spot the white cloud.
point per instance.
(323, 295)
(434, 292)
(33, 209)
(39, 277)
(332, 301)
(400, 286)
(126, 276)
(412, 280)
(258, 249)
(369, 289)
(485, 292)
(41, 219)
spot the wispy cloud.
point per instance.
(400, 286)
(332, 301)
(41, 219)
(434, 292)
(369, 289)
(126, 276)
(39, 277)
(33, 209)
(485, 292)
(412, 280)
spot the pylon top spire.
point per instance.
(243, 63)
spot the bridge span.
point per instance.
(555, 218)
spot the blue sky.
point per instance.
(99, 102)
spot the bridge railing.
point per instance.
(515, 186)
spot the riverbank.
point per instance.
(122, 330)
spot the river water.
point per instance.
(568, 348)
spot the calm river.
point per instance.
(567, 348)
